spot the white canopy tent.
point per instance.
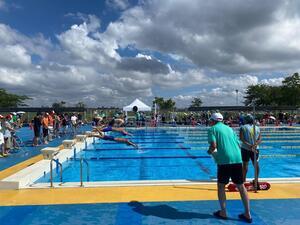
(139, 104)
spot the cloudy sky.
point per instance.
(107, 53)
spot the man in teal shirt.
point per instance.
(224, 146)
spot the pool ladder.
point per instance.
(82, 160)
(51, 171)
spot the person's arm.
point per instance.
(242, 138)
(98, 128)
(98, 134)
(258, 141)
(212, 148)
(212, 142)
(10, 128)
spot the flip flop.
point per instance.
(219, 216)
(244, 218)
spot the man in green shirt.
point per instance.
(224, 146)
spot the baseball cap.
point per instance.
(216, 117)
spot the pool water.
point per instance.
(176, 154)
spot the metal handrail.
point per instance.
(88, 171)
(51, 171)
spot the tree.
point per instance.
(257, 94)
(265, 95)
(291, 89)
(164, 105)
(196, 102)
(80, 105)
(58, 105)
(11, 100)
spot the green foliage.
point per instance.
(197, 102)
(291, 89)
(80, 105)
(58, 105)
(164, 105)
(265, 95)
(11, 100)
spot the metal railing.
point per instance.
(51, 171)
(82, 160)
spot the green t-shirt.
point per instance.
(228, 149)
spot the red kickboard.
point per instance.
(263, 186)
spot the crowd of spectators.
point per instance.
(49, 125)
(45, 127)
(230, 118)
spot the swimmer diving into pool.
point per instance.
(110, 127)
(100, 134)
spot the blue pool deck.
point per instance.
(264, 212)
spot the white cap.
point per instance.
(216, 117)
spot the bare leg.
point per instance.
(2, 149)
(222, 199)
(257, 171)
(34, 141)
(245, 199)
(126, 141)
(245, 170)
(257, 167)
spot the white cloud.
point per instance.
(118, 4)
(231, 37)
(228, 49)
(273, 81)
(139, 55)
(12, 55)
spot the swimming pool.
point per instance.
(177, 154)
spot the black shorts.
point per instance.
(233, 171)
(45, 132)
(37, 132)
(246, 155)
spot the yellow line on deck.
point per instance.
(14, 169)
(138, 193)
(22, 165)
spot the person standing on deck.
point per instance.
(249, 146)
(224, 146)
(37, 128)
(45, 124)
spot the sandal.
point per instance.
(219, 216)
(244, 218)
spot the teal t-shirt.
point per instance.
(228, 149)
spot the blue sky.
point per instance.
(51, 17)
(112, 51)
